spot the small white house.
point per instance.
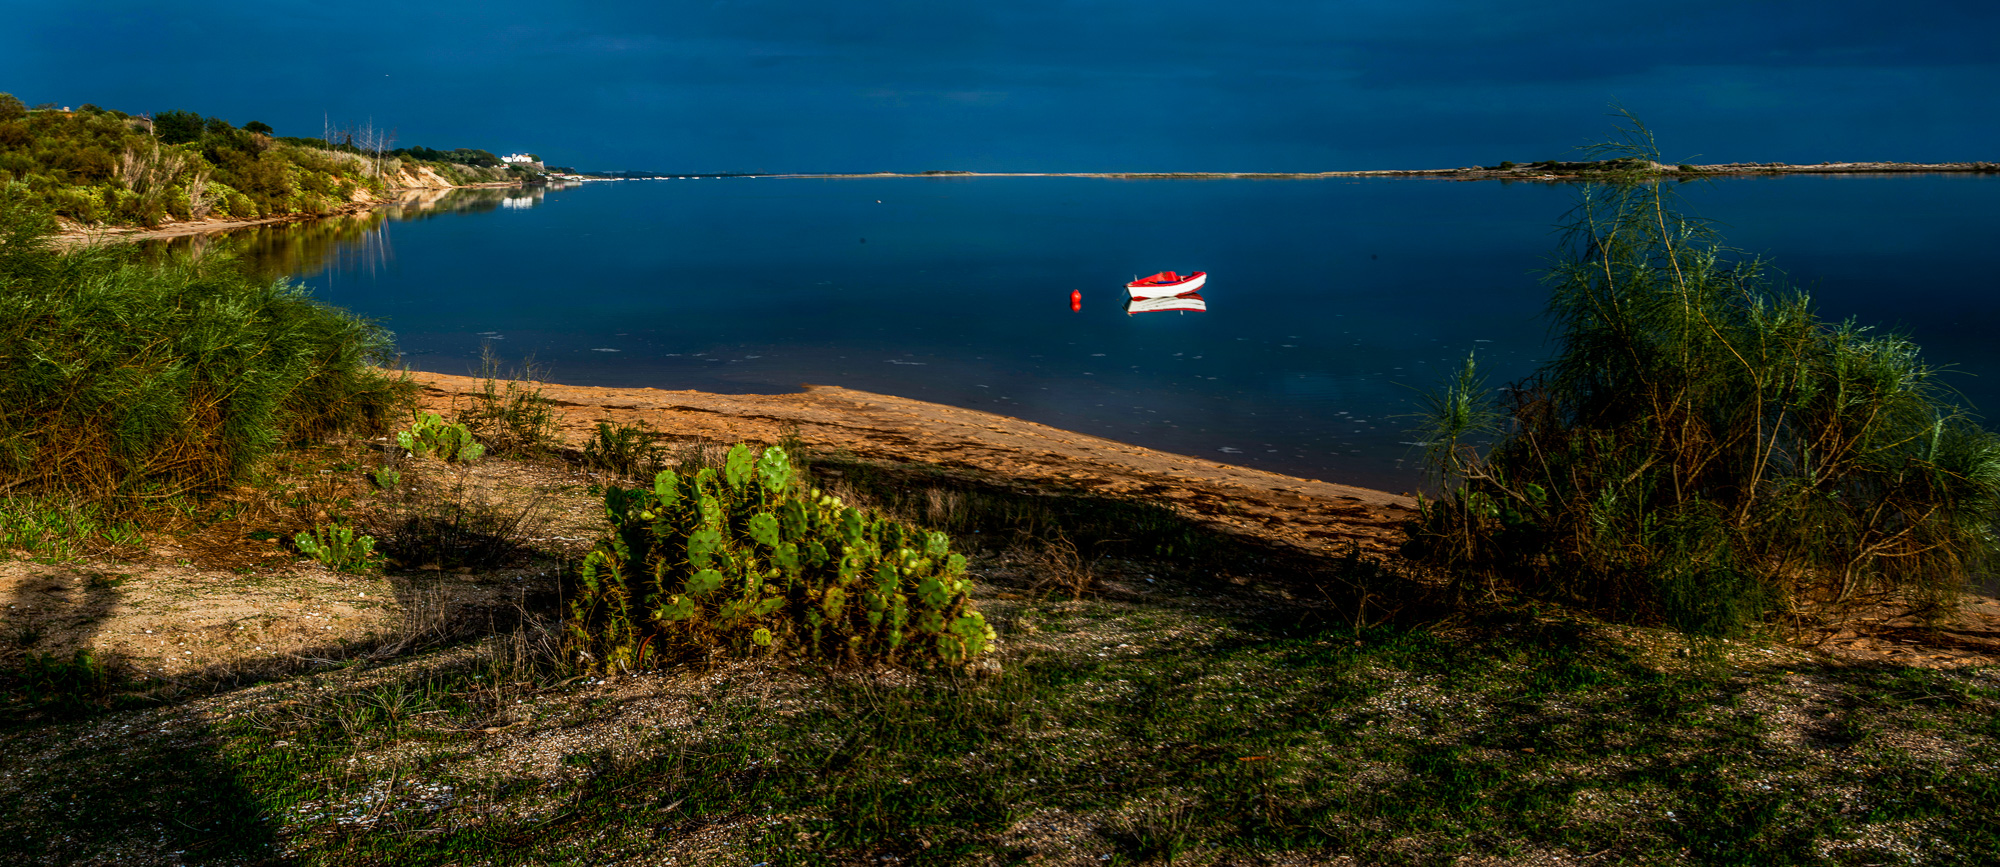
(518, 158)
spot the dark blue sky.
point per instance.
(1030, 85)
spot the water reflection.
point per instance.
(355, 243)
(1174, 304)
(295, 250)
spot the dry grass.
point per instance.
(1223, 704)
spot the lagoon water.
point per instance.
(1332, 304)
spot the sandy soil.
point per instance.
(227, 599)
(1312, 515)
(232, 597)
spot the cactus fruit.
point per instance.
(749, 560)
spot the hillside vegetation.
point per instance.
(96, 166)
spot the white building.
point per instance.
(518, 158)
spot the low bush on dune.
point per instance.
(121, 378)
(1703, 449)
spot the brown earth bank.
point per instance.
(1308, 514)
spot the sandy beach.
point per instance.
(1306, 513)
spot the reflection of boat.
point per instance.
(1180, 303)
(1166, 284)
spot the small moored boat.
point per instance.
(1166, 284)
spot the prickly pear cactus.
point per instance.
(749, 560)
(432, 435)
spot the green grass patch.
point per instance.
(56, 528)
(1132, 733)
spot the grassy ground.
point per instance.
(1162, 695)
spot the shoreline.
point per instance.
(1561, 172)
(1308, 514)
(85, 235)
(1564, 172)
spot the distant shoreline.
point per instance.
(1543, 172)
(1531, 172)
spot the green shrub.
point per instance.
(123, 377)
(177, 127)
(241, 207)
(78, 203)
(338, 547)
(623, 449)
(449, 441)
(749, 561)
(509, 413)
(1702, 448)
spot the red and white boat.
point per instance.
(1166, 284)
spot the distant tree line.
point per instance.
(461, 156)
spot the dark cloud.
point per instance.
(789, 85)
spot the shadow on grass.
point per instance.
(1212, 720)
(97, 764)
(84, 791)
(982, 511)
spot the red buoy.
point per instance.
(1076, 299)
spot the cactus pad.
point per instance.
(749, 561)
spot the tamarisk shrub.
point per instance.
(1702, 449)
(749, 560)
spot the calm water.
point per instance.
(1330, 306)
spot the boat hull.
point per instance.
(1170, 304)
(1145, 289)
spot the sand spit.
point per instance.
(1534, 172)
(1307, 513)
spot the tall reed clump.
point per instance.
(121, 379)
(747, 560)
(1702, 449)
(509, 414)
